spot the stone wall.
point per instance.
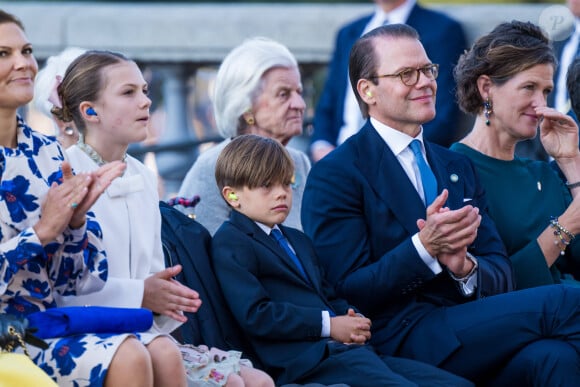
(204, 33)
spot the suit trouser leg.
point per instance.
(424, 374)
(494, 330)
(361, 366)
(356, 366)
(540, 364)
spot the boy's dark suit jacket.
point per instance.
(361, 210)
(277, 308)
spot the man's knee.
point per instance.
(541, 363)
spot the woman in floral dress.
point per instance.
(49, 244)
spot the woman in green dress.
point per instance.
(504, 80)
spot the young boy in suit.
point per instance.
(274, 286)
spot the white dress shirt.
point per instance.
(399, 142)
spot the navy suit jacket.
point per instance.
(558, 47)
(443, 40)
(360, 209)
(278, 309)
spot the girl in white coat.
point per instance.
(105, 95)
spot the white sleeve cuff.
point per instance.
(469, 282)
(430, 261)
(325, 324)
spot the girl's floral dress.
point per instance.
(31, 274)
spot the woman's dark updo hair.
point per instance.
(509, 49)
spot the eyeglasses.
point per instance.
(410, 76)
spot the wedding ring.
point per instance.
(74, 205)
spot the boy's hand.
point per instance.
(350, 328)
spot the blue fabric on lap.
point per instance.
(72, 320)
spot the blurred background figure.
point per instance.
(573, 85)
(45, 93)
(258, 90)
(566, 51)
(338, 116)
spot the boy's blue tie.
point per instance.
(279, 237)
(427, 176)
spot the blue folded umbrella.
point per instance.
(72, 320)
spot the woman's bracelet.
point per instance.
(559, 232)
(573, 185)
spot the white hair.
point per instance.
(239, 78)
(46, 78)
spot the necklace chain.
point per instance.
(93, 153)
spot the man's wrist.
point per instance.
(470, 273)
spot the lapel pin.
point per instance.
(539, 185)
(454, 178)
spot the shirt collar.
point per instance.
(265, 228)
(397, 15)
(397, 141)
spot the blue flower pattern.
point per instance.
(66, 351)
(31, 274)
(13, 192)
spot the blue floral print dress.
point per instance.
(75, 263)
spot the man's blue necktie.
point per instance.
(427, 177)
(279, 237)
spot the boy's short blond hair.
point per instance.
(253, 161)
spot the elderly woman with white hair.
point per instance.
(257, 90)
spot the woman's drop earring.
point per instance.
(69, 131)
(487, 110)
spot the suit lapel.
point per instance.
(250, 228)
(356, 30)
(448, 176)
(387, 178)
(304, 255)
(558, 47)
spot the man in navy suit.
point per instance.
(273, 285)
(431, 273)
(337, 115)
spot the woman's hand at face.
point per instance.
(558, 133)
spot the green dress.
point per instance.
(522, 195)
